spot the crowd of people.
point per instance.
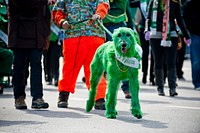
(46, 30)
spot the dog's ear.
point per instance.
(115, 32)
(135, 35)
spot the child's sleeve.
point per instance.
(102, 9)
(58, 12)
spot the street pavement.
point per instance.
(161, 114)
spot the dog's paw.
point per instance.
(111, 115)
(137, 113)
(89, 106)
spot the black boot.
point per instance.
(144, 79)
(63, 99)
(161, 91)
(152, 81)
(56, 82)
(100, 104)
(172, 92)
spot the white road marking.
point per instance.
(185, 107)
(79, 99)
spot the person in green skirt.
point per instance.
(119, 15)
(6, 55)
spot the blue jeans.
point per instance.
(21, 56)
(111, 28)
(195, 59)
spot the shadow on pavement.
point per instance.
(57, 114)
(11, 123)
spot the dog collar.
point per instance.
(131, 62)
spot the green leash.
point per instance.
(101, 24)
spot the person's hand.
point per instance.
(147, 35)
(65, 25)
(95, 17)
(188, 41)
(51, 2)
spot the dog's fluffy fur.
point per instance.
(124, 42)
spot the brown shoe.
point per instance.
(20, 103)
(63, 99)
(39, 104)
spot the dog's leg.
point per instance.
(96, 73)
(111, 97)
(135, 104)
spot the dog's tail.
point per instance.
(90, 101)
(96, 68)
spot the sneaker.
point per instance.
(100, 104)
(20, 103)
(39, 103)
(63, 100)
(127, 94)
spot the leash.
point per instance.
(74, 23)
(101, 24)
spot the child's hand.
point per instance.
(95, 17)
(51, 2)
(65, 25)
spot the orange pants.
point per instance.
(79, 52)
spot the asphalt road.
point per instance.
(166, 114)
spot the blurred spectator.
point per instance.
(191, 14)
(160, 29)
(6, 55)
(142, 5)
(29, 29)
(180, 56)
(52, 55)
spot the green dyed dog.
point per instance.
(120, 59)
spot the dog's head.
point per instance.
(125, 41)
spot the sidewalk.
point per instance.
(166, 114)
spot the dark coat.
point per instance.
(29, 23)
(191, 15)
